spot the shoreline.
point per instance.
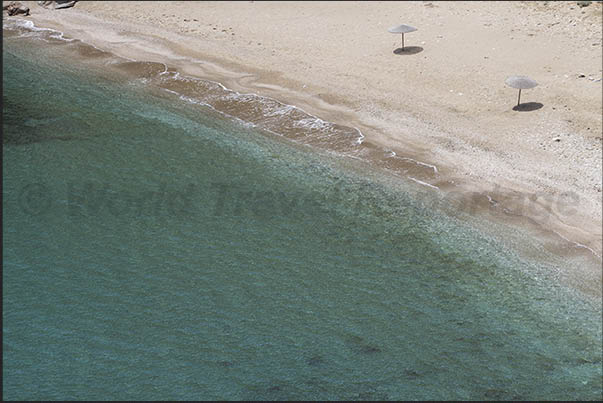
(447, 179)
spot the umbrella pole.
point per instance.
(518, 97)
(402, 41)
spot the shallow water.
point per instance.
(154, 249)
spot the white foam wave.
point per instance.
(393, 154)
(244, 122)
(172, 75)
(491, 200)
(221, 85)
(165, 69)
(170, 91)
(60, 36)
(23, 23)
(435, 169)
(28, 24)
(423, 183)
(313, 123)
(193, 100)
(360, 138)
(285, 110)
(578, 244)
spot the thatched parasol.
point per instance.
(520, 82)
(402, 29)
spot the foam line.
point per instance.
(30, 25)
(361, 138)
(578, 245)
(435, 169)
(423, 183)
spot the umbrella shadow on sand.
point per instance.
(408, 50)
(528, 106)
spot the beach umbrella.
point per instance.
(521, 83)
(402, 29)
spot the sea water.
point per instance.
(155, 249)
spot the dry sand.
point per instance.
(444, 103)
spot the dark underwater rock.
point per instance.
(315, 360)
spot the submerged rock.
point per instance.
(411, 374)
(315, 360)
(367, 349)
(15, 8)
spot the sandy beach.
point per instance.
(444, 102)
(272, 201)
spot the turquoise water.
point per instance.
(155, 249)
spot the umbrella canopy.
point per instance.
(402, 29)
(521, 82)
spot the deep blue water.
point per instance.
(154, 249)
